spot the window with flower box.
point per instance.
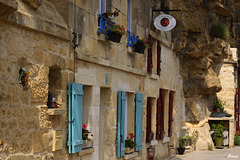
(129, 121)
(79, 119)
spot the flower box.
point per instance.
(87, 144)
(114, 36)
(218, 114)
(128, 150)
(139, 48)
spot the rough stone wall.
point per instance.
(201, 55)
(26, 127)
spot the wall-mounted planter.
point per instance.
(114, 36)
(218, 114)
(129, 150)
(139, 48)
(87, 144)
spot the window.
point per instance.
(132, 38)
(149, 61)
(129, 20)
(154, 52)
(171, 97)
(151, 119)
(102, 6)
(161, 114)
(129, 115)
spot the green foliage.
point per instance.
(218, 129)
(210, 147)
(144, 42)
(129, 143)
(228, 115)
(117, 28)
(219, 105)
(188, 140)
(220, 30)
(182, 141)
(236, 140)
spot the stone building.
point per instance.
(59, 50)
(37, 36)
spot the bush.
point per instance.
(221, 31)
(236, 140)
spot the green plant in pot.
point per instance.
(218, 109)
(141, 45)
(129, 144)
(182, 143)
(115, 33)
(218, 133)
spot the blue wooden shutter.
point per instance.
(75, 141)
(121, 123)
(138, 134)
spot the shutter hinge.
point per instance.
(70, 122)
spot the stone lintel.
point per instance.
(41, 25)
(7, 7)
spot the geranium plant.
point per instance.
(85, 132)
(129, 142)
(144, 42)
(117, 28)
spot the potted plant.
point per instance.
(87, 142)
(130, 144)
(218, 130)
(218, 109)
(115, 33)
(140, 45)
(182, 141)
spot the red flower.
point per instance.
(84, 126)
(213, 111)
(131, 135)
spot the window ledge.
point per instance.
(130, 156)
(166, 139)
(102, 37)
(130, 50)
(153, 142)
(55, 111)
(86, 151)
(154, 76)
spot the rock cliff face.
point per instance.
(201, 55)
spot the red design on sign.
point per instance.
(165, 22)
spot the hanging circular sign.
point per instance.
(165, 22)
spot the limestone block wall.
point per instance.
(228, 78)
(40, 41)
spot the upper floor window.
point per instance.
(102, 6)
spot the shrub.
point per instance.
(220, 30)
(236, 140)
